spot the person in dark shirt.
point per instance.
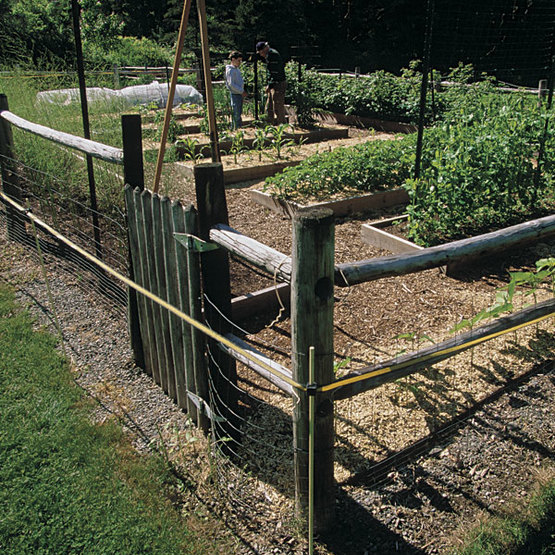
(277, 84)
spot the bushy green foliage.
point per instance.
(128, 51)
(478, 170)
(68, 485)
(373, 166)
(380, 95)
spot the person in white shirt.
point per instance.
(235, 84)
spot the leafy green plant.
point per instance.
(379, 95)
(260, 141)
(478, 171)
(278, 138)
(373, 166)
(341, 365)
(237, 145)
(188, 146)
(525, 283)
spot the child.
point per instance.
(235, 84)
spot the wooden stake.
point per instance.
(171, 93)
(212, 126)
(312, 326)
(212, 209)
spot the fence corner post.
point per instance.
(312, 326)
(133, 175)
(212, 210)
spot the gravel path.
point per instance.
(488, 463)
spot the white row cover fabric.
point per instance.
(129, 96)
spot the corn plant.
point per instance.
(278, 138)
(189, 147)
(237, 145)
(259, 142)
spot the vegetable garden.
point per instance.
(487, 164)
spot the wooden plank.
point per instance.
(173, 294)
(10, 177)
(133, 168)
(342, 207)
(238, 175)
(159, 371)
(312, 326)
(413, 362)
(381, 239)
(365, 122)
(147, 317)
(94, 149)
(456, 251)
(281, 206)
(133, 177)
(260, 255)
(259, 369)
(212, 207)
(264, 301)
(167, 372)
(198, 346)
(181, 291)
(136, 274)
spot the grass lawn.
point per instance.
(68, 485)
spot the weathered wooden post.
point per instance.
(188, 288)
(212, 209)
(133, 175)
(10, 178)
(312, 326)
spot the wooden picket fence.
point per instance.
(168, 268)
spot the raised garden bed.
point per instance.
(238, 175)
(312, 136)
(387, 234)
(333, 118)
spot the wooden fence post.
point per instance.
(189, 301)
(133, 175)
(195, 310)
(212, 209)
(312, 325)
(10, 178)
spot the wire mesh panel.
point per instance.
(51, 199)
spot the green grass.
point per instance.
(67, 485)
(526, 532)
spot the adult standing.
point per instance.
(235, 84)
(277, 84)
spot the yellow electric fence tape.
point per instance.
(199, 325)
(393, 367)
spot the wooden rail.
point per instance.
(262, 256)
(94, 149)
(259, 369)
(390, 370)
(456, 251)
